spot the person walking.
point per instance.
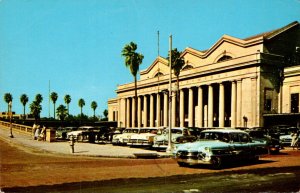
(295, 137)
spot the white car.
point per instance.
(144, 138)
(81, 133)
(123, 138)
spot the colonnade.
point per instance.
(211, 105)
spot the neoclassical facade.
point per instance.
(234, 83)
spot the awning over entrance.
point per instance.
(292, 119)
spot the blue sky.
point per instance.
(76, 44)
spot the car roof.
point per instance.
(229, 130)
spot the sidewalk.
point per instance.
(81, 149)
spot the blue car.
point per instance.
(219, 146)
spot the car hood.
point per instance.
(142, 135)
(165, 137)
(200, 145)
(123, 135)
(74, 132)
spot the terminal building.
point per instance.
(251, 82)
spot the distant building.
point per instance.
(249, 82)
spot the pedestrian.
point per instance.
(37, 132)
(33, 131)
(295, 137)
(43, 133)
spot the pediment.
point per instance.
(159, 67)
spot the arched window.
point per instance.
(187, 67)
(158, 74)
(225, 57)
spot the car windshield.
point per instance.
(174, 131)
(214, 136)
(148, 131)
(131, 131)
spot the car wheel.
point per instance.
(216, 163)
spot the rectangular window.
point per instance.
(295, 103)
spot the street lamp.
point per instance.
(169, 148)
(10, 117)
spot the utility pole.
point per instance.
(169, 148)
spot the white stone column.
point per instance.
(239, 121)
(233, 104)
(127, 112)
(133, 118)
(181, 109)
(210, 106)
(253, 101)
(158, 109)
(139, 115)
(151, 110)
(166, 110)
(221, 105)
(145, 112)
(191, 107)
(200, 106)
(173, 110)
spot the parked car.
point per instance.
(178, 135)
(261, 134)
(61, 132)
(144, 138)
(285, 135)
(102, 134)
(219, 146)
(81, 133)
(123, 138)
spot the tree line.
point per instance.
(61, 111)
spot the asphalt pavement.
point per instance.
(80, 148)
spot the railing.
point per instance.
(17, 127)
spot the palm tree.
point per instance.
(94, 106)
(54, 97)
(8, 98)
(177, 64)
(24, 100)
(62, 112)
(67, 99)
(39, 98)
(105, 113)
(35, 109)
(81, 103)
(132, 61)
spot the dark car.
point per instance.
(272, 139)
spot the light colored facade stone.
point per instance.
(232, 84)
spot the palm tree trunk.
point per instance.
(54, 110)
(135, 102)
(24, 112)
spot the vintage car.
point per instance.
(144, 138)
(178, 135)
(123, 138)
(82, 133)
(261, 134)
(219, 146)
(61, 132)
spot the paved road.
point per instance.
(35, 168)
